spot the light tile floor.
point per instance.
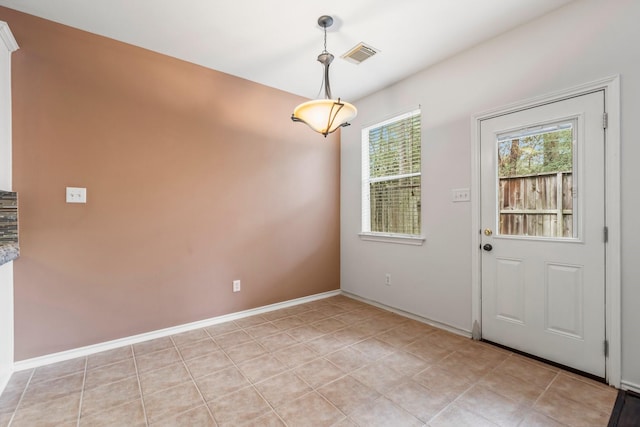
(333, 362)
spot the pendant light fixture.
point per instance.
(325, 115)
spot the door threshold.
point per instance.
(549, 362)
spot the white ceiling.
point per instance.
(276, 42)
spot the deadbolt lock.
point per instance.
(488, 232)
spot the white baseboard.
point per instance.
(433, 323)
(109, 345)
(626, 385)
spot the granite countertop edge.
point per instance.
(8, 252)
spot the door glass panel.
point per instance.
(536, 167)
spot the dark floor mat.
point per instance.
(626, 411)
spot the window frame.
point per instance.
(366, 233)
(575, 124)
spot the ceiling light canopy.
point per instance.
(325, 115)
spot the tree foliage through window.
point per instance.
(549, 151)
(535, 178)
(392, 181)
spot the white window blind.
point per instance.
(391, 176)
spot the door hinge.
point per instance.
(606, 234)
(605, 120)
(606, 348)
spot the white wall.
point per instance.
(6, 270)
(6, 323)
(581, 42)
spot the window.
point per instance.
(391, 175)
(536, 175)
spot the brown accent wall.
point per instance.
(194, 178)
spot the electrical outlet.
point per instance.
(76, 195)
(460, 195)
(236, 286)
(387, 279)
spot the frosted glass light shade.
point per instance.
(324, 115)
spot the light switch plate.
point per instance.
(76, 195)
(460, 195)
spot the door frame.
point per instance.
(611, 87)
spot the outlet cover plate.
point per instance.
(76, 195)
(460, 195)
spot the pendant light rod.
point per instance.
(326, 115)
(325, 58)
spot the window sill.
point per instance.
(401, 239)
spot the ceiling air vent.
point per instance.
(360, 53)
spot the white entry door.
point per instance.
(543, 235)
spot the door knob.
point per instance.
(487, 247)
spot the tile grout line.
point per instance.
(84, 381)
(546, 388)
(220, 349)
(268, 351)
(320, 357)
(251, 383)
(279, 354)
(472, 384)
(324, 357)
(448, 405)
(584, 381)
(121, 404)
(135, 365)
(271, 353)
(193, 380)
(542, 394)
(15, 411)
(398, 407)
(531, 408)
(289, 369)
